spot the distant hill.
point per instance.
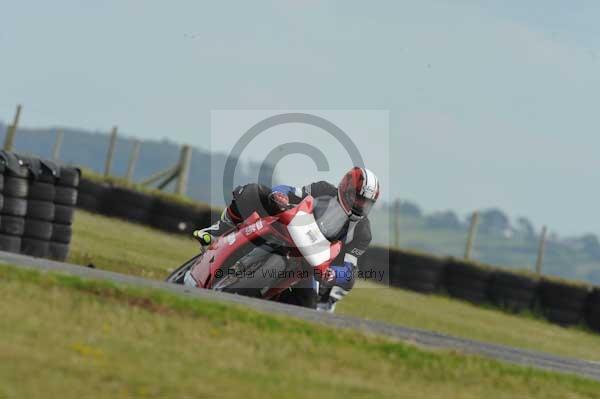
(85, 148)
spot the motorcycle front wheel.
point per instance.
(177, 276)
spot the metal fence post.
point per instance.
(111, 150)
(57, 145)
(541, 249)
(12, 130)
(472, 234)
(184, 170)
(133, 157)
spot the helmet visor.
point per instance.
(356, 204)
(362, 206)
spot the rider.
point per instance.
(356, 193)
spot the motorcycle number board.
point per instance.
(307, 236)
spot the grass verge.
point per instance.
(64, 337)
(116, 245)
(134, 249)
(463, 319)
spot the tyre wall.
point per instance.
(561, 302)
(143, 208)
(36, 206)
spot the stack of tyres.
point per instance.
(64, 204)
(563, 303)
(14, 202)
(40, 211)
(467, 281)
(4, 241)
(512, 291)
(593, 309)
(416, 272)
(375, 264)
(91, 195)
(127, 204)
(144, 208)
(178, 218)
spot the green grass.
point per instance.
(64, 337)
(462, 319)
(123, 247)
(116, 245)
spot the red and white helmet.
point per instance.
(358, 191)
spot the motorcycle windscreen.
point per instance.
(309, 239)
(331, 217)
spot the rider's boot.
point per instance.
(206, 235)
(328, 301)
(326, 305)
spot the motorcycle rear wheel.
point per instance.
(301, 294)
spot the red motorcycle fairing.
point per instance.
(227, 249)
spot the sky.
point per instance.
(490, 103)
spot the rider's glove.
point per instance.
(280, 200)
(329, 275)
(203, 237)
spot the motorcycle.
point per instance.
(271, 257)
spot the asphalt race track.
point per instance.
(426, 339)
